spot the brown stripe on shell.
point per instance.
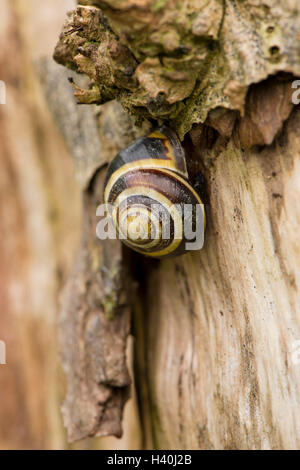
(168, 185)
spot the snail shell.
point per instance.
(144, 185)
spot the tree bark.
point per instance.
(40, 225)
(37, 223)
(217, 331)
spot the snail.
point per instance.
(147, 191)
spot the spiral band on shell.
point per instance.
(146, 190)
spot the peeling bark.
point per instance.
(94, 326)
(96, 304)
(167, 61)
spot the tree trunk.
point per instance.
(37, 223)
(40, 222)
(217, 331)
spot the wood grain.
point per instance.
(221, 325)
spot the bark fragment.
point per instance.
(95, 313)
(94, 325)
(269, 104)
(170, 62)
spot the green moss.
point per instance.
(109, 307)
(158, 5)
